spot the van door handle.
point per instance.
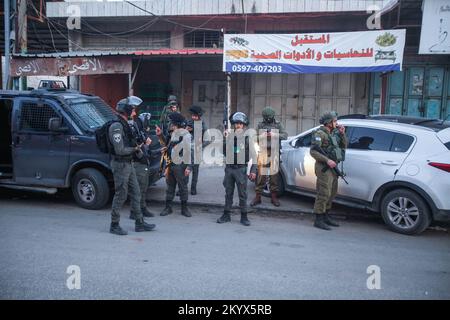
(389, 163)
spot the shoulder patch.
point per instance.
(117, 137)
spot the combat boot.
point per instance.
(116, 229)
(147, 213)
(168, 209)
(320, 223)
(257, 200)
(225, 217)
(275, 201)
(244, 219)
(141, 225)
(193, 190)
(184, 209)
(327, 219)
(133, 216)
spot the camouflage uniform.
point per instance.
(264, 165)
(123, 170)
(197, 146)
(327, 182)
(175, 172)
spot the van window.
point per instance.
(35, 117)
(371, 139)
(90, 113)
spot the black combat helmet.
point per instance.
(127, 105)
(239, 117)
(144, 119)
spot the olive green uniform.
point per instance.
(124, 173)
(266, 166)
(334, 145)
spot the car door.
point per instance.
(299, 163)
(40, 157)
(372, 159)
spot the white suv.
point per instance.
(399, 166)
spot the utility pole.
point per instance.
(22, 36)
(7, 15)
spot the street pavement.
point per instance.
(281, 256)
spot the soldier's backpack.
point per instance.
(102, 137)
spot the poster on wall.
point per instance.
(435, 33)
(365, 51)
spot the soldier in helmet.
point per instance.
(331, 139)
(124, 147)
(268, 163)
(237, 152)
(194, 124)
(141, 130)
(170, 107)
(176, 169)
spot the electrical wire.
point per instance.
(171, 21)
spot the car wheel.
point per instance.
(404, 211)
(266, 189)
(90, 189)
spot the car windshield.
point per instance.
(90, 113)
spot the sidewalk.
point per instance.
(211, 193)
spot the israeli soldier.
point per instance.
(237, 152)
(196, 122)
(176, 173)
(170, 107)
(123, 148)
(268, 163)
(332, 140)
(141, 129)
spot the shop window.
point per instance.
(203, 39)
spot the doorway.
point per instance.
(211, 96)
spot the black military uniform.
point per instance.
(176, 169)
(236, 169)
(141, 127)
(123, 148)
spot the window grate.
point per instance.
(203, 39)
(35, 116)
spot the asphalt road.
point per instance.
(278, 257)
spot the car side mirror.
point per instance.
(55, 125)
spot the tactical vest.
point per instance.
(332, 149)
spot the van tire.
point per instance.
(406, 199)
(90, 189)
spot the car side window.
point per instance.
(371, 139)
(401, 142)
(304, 141)
(35, 116)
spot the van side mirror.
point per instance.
(55, 125)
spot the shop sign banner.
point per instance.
(434, 36)
(365, 51)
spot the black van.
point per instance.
(47, 141)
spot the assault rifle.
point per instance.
(336, 170)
